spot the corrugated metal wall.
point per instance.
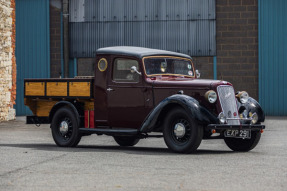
(272, 56)
(32, 45)
(186, 26)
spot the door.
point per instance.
(32, 46)
(272, 57)
(126, 105)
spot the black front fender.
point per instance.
(254, 107)
(189, 104)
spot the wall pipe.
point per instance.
(215, 67)
(66, 36)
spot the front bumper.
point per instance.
(236, 127)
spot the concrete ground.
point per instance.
(29, 160)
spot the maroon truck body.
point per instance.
(138, 91)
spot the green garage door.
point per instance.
(272, 56)
(32, 45)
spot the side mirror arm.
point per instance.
(134, 70)
(197, 73)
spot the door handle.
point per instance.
(110, 89)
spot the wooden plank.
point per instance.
(89, 105)
(79, 89)
(44, 107)
(31, 104)
(57, 88)
(35, 88)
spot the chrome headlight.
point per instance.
(243, 97)
(254, 118)
(222, 118)
(211, 96)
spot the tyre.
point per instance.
(65, 128)
(126, 141)
(181, 133)
(243, 145)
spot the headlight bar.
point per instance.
(253, 118)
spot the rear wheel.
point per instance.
(181, 133)
(65, 128)
(243, 145)
(126, 141)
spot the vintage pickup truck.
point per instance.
(138, 93)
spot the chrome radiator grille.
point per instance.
(228, 104)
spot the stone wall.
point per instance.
(7, 60)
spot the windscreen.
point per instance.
(168, 66)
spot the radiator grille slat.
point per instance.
(228, 103)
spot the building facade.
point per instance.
(7, 60)
(243, 51)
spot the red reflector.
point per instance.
(262, 131)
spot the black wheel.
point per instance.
(181, 133)
(65, 128)
(126, 141)
(243, 145)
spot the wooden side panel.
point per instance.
(35, 88)
(89, 105)
(31, 104)
(57, 88)
(79, 89)
(44, 108)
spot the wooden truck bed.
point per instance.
(40, 95)
(58, 88)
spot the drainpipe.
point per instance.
(215, 67)
(65, 5)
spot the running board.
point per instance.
(110, 131)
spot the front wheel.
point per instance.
(126, 141)
(181, 133)
(243, 145)
(65, 128)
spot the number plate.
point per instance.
(244, 134)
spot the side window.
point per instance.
(122, 70)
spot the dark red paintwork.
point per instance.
(129, 103)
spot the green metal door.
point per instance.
(272, 56)
(32, 45)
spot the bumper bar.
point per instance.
(235, 127)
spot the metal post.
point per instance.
(75, 67)
(66, 36)
(215, 67)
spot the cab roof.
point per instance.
(139, 52)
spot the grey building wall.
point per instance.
(186, 26)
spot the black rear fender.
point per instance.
(76, 108)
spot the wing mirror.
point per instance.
(197, 73)
(134, 70)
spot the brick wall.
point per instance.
(7, 60)
(237, 43)
(55, 38)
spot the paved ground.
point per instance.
(29, 160)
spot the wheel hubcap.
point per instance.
(64, 127)
(179, 130)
